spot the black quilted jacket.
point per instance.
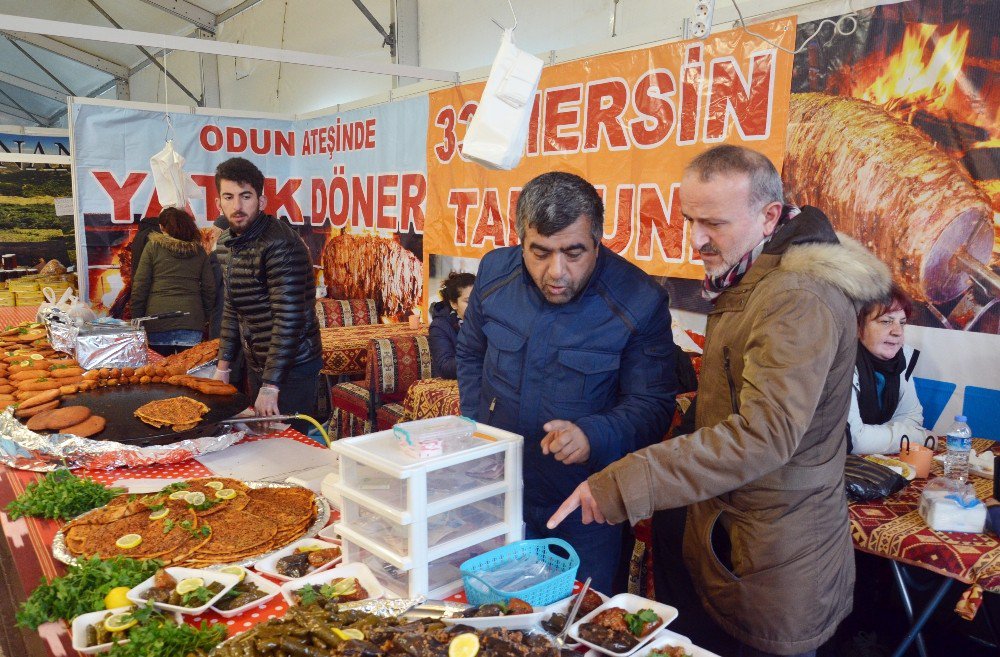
(270, 301)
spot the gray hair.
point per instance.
(556, 200)
(765, 183)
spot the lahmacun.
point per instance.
(180, 413)
(219, 530)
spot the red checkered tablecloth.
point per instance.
(11, 315)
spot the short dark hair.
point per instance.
(241, 171)
(179, 224)
(897, 299)
(555, 200)
(451, 287)
(765, 182)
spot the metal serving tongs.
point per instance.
(279, 418)
(559, 641)
(137, 321)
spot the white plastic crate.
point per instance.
(416, 516)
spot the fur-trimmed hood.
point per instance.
(809, 245)
(178, 247)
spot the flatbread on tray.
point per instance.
(242, 523)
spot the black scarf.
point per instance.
(872, 412)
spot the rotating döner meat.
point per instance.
(884, 183)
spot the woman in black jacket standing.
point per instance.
(446, 317)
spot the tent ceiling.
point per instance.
(27, 85)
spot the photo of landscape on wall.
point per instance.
(29, 227)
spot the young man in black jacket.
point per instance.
(270, 299)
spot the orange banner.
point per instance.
(628, 122)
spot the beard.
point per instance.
(729, 258)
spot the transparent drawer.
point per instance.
(442, 527)
(463, 477)
(440, 573)
(441, 484)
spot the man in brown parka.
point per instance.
(767, 540)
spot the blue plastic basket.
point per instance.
(478, 592)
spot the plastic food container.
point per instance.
(269, 588)
(542, 558)
(631, 604)
(269, 565)
(138, 593)
(427, 438)
(80, 624)
(358, 571)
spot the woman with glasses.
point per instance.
(884, 404)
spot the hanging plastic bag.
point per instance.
(172, 184)
(499, 128)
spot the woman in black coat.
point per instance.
(446, 317)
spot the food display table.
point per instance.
(11, 315)
(345, 348)
(892, 528)
(429, 398)
(27, 551)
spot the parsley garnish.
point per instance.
(82, 589)
(174, 487)
(196, 598)
(637, 621)
(308, 595)
(61, 494)
(164, 638)
(168, 525)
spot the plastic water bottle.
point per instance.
(956, 460)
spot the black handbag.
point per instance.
(865, 480)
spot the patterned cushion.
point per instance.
(429, 398)
(346, 425)
(387, 416)
(351, 398)
(346, 312)
(395, 363)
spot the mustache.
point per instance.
(709, 249)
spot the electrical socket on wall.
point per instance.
(699, 25)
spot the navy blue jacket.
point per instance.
(442, 336)
(604, 361)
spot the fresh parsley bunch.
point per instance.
(62, 495)
(164, 638)
(82, 589)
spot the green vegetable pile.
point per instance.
(82, 589)
(62, 495)
(163, 638)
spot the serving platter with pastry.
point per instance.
(196, 523)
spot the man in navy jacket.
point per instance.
(569, 345)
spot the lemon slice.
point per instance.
(119, 622)
(464, 645)
(179, 495)
(36, 357)
(225, 494)
(162, 513)
(117, 597)
(308, 548)
(189, 584)
(217, 485)
(194, 499)
(348, 634)
(239, 571)
(128, 541)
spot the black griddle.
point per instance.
(117, 405)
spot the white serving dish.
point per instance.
(358, 571)
(665, 639)
(267, 586)
(562, 607)
(631, 604)
(83, 621)
(268, 566)
(329, 533)
(514, 622)
(137, 594)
